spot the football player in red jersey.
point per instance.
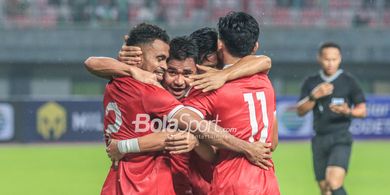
(245, 106)
(126, 105)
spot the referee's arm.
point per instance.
(304, 106)
(308, 102)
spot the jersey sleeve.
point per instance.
(159, 102)
(357, 95)
(201, 103)
(305, 90)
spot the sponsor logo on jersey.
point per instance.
(51, 121)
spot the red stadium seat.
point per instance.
(339, 18)
(281, 17)
(386, 18)
(311, 17)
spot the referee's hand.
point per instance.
(322, 90)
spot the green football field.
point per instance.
(81, 169)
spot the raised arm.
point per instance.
(107, 68)
(213, 79)
(248, 65)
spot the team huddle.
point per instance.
(191, 115)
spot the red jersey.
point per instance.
(245, 108)
(191, 174)
(130, 106)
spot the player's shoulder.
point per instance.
(138, 85)
(193, 93)
(126, 81)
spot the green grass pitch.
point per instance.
(81, 169)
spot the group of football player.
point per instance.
(191, 115)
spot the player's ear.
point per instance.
(220, 44)
(256, 47)
(125, 38)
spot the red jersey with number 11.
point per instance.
(245, 108)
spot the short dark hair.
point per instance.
(182, 48)
(146, 33)
(240, 32)
(206, 39)
(328, 45)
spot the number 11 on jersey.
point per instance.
(260, 97)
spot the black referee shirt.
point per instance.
(345, 90)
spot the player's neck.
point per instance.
(229, 59)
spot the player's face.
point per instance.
(330, 59)
(154, 58)
(176, 79)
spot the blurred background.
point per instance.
(47, 96)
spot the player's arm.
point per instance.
(107, 68)
(308, 102)
(151, 143)
(206, 152)
(275, 135)
(214, 135)
(213, 79)
(116, 149)
(247, 66)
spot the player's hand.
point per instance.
(146, 77)
(211, 79)
(130, 55)
(322, 90)
(113, 152)
(340, 109)
(259, 153)
(181, 142)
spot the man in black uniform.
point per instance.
(335, 98)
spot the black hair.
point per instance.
(239, 31)
(146, 33)
(182, 48)
(206, 38)
(328, 45)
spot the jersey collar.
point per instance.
(188, 92)
(331, 78)
(227, 66)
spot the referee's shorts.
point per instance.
(332, 149)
